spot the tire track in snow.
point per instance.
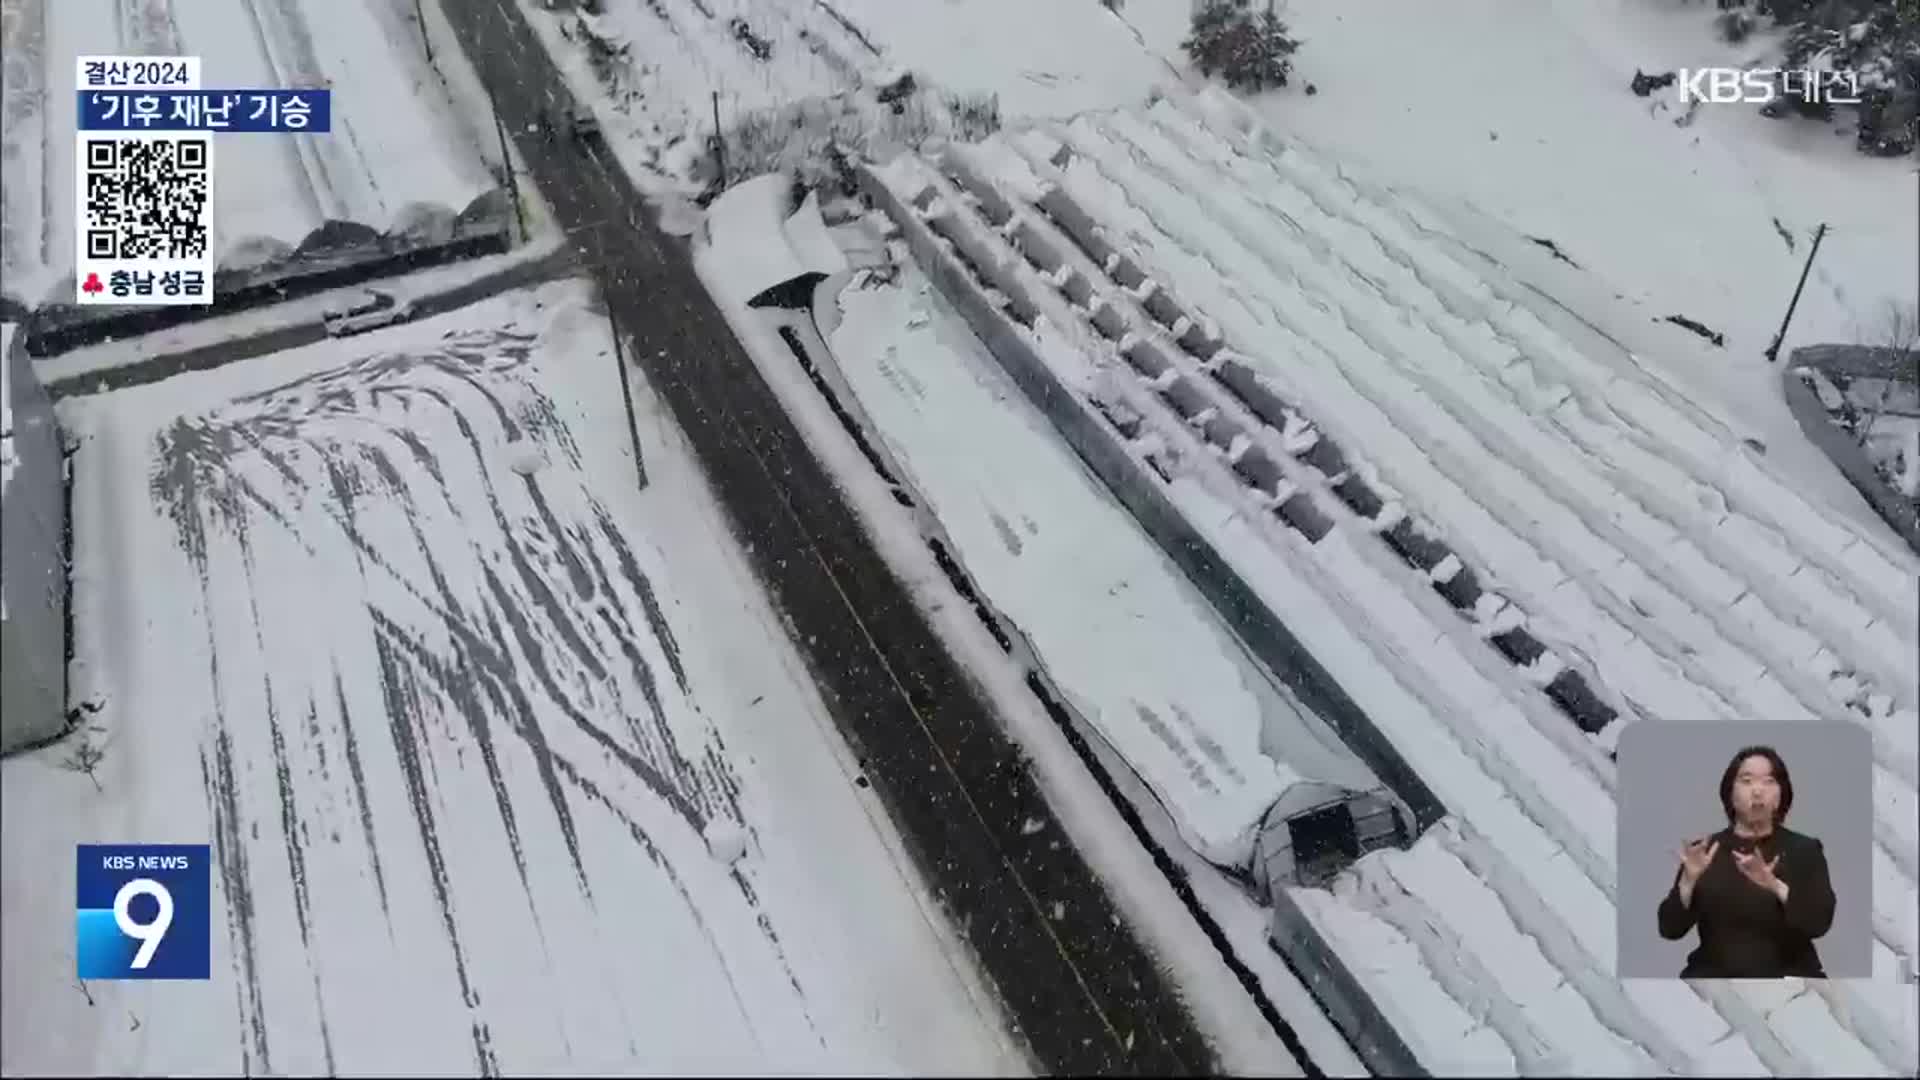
(660, 739)
(358, 774)
(456, 684)
(178, 475)
(292, 828)
(592, 791)
(540, 620)
(231, 853)
(295, 830)
(402, 715)
(649, 602)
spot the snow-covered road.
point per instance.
(506, 764)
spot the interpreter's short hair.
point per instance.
(1780, 777)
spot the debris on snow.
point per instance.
(1644, 84)
(1701, 329)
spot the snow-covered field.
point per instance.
(507, 764)
(1632, 537)
(654, 66)
(784, 81)
(1678, 219)
(1050, 59)
(396, 152)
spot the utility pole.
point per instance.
(1773, 350)
(626, 387)
(506, 164)
(426, 41)
(719, 141)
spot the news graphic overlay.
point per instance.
(143, 911)
(1745, 850)
(144, 177)
(143, 206)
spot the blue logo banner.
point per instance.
(143, 911)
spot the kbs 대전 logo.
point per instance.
(1765, 86)
(143, 911)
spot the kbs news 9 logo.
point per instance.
(142, 911)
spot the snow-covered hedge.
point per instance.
(1877, 39)
(1250, 49)
(813, 139)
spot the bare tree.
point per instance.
(1899, 332)
(87, 754)
(1910, 472)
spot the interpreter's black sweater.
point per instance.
(1745, 931)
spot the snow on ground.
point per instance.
(1116, 626)
(655, 97)
(1047, 59)
(1548, 139)
(1245, 1040)
(460, 738)
(1294, 302)
(394, 149)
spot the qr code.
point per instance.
(146, 198)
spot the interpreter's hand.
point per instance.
(1694, 858)
(1757, 869)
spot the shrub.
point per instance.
(1249, 50)
(1878, 40)
(813, 139)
